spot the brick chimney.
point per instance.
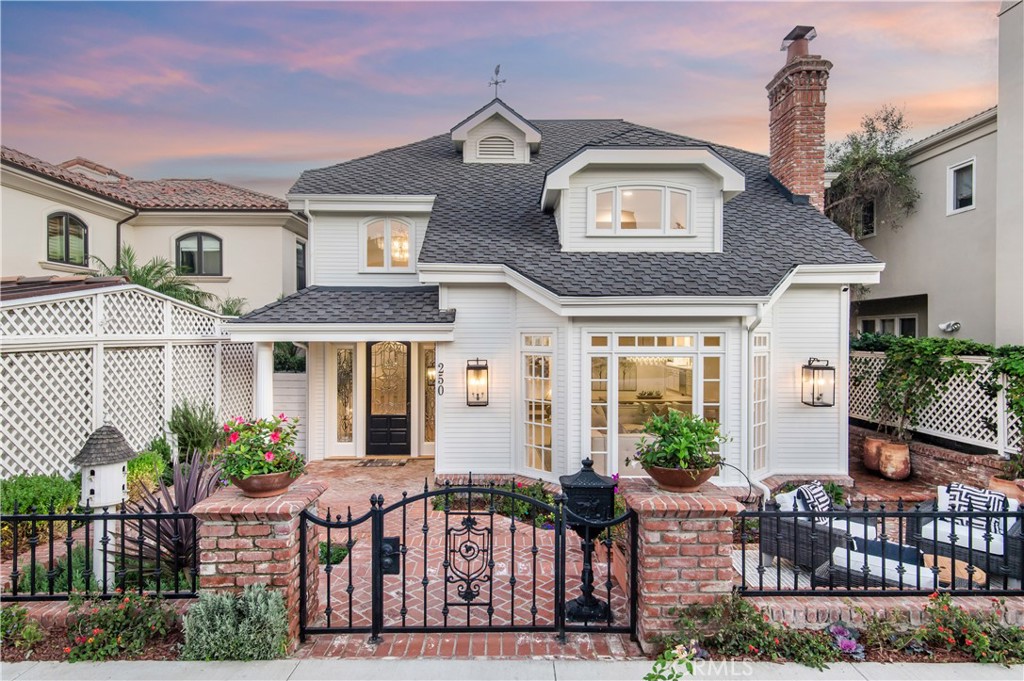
(796, 100)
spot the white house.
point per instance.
(230, 241)
(516, 295)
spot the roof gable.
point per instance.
(496, 107)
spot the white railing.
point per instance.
(122, 355)
(964, 413)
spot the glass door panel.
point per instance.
(388, 424)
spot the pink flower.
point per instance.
(239, 419)
(615, 477)
(269, 456)
(233, 438)
(274, 437)
(226, 427)
(282, 416)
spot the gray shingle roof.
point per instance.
(490, 214)
(354, 305)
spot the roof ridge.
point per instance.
(697, 141)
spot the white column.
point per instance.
(264, 380)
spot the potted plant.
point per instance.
(1011, 481)
(917, 371)
(682, 451)
(258, 455)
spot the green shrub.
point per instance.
(289, 358)
(116, 627)
(984, 637)
(41, 492)
(337, 553)
(144, 473)
(249, 626)
(38, 581)
(196, 427)
(17, 630)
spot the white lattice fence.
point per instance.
(962, 414)
(123, 356)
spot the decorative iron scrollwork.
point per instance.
(470, 565)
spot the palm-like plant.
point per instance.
(158, 274)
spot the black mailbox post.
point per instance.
(590, 496)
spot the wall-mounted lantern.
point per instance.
(476, 383)
(818, 383)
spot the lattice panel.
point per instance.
(69, 317)
(964, 410)
(132, 313)
(186, 322)
(1014, 432)
(133, 392)
(864, 369)
(46, 406)
(236, 380)
(192, 368)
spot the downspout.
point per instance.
(310, 273)
(117, 237)
(751, 326)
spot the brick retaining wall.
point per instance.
(937, 465)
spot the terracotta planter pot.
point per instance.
(262, 486)
(873, 451)
(620, 567)
(680, 479)
(894, 461)
(1011, 488)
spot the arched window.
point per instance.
(67, 240)
(640, 210)
(199, 254)
(387, 246)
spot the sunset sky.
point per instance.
(253, 93)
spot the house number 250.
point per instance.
(440, 378)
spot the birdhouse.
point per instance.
(104, 465)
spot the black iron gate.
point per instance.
(469, 558)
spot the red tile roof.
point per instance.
(16, 288)
(166, 194)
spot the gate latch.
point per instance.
(389, 556)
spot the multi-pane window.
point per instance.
(199, 254)
(67, 240)
(300, 265)
(387, 245)
(760, 416)
(893, 326)
(961, 187)
(639, 211)
(537, 397)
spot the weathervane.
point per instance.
(495, 82)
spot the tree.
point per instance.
(159, 274)
(873, 173)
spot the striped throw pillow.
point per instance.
(815, 497)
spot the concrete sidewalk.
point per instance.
(483, 669)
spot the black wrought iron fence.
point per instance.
(50, 556)
(896, 550)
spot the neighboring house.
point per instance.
(955, 265)
(231, 241)
(517, 295)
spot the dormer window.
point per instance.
(387, 245)
(640, 210)
(496, 147)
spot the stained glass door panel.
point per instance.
(388, 398)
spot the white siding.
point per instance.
(317, 406)
(337, 250)
(707, 211)
(808, 322)
(495, 125)
(477, 439)
(290, 398)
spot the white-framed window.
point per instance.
(761, 404)
(893, 325)
(387, 245)
(635, 375)
(538, 403)
(868, 220)
(960, 184)
(640, 210)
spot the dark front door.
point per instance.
(388, 396)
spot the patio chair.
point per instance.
(999, 552)
(875, 564)
(792, 538)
